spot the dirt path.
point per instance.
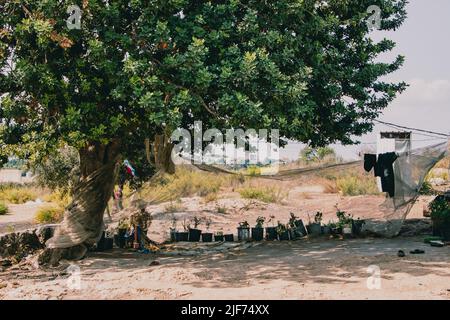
(20, 217)
(306, 269)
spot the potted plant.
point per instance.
(345, 222)
(296, 226)
(207, 236)
(315, 228)
(173, 229)
(282, 232)
(440, 217)
(243, 231)
(258, 230)
(219, 236)
(271, 231)
(183, 236)
(120, 238)
(194, 233)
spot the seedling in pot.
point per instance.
(282, 231)
(207, 236)
(243, 231)
(258, 230)
(194, 233)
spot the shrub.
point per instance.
(17, 195)
(49, 214)
(355, 185)
(3, 209)
(266, 194)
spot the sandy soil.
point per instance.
(305, 269)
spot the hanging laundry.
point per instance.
(370, 161)
(383, 168)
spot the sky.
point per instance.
(424, 40)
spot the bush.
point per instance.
(440, 210)
(17, 195)
(3, 209)
(353, 185)
(49, 214)
(266, 194)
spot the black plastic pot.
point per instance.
(194, 235)
(300, 229)
(258, 234)
(284, 236)
(441, 229)
(229, 237)
(218, 238)
(172, 235)
(181, 236)
(326, 230)
(243, 234)
(104, 243)
(119, 238)
(207, 237)
(271, 233)
(314, 229)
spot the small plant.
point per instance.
(124, 224)
(440, 210)
(244, 224)
(219, 233)
(344, 219)
(281, 228)
(3, 209)
(196, 221)
(49, 214)
(208, 223)
(222, 210)
(260, 222)
(318, 217)
(186, 225)
(292, 220)
(174, 223)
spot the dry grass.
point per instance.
(173, 207)
(188, 182)
(49, 214)
(17, 195)
(266, 194)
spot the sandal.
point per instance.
(417, 251)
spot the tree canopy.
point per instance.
(140, 68)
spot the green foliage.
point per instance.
(440, 210)
(49, 214)
(321, 154)
(3, 209)
(140, 68)
(344, 219)
(59, 171)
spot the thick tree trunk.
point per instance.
(83, 219)
(160, 154)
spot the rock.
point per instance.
(416, 227)
(154, 263)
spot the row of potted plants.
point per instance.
(292, 230)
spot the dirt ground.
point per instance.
(305, 269)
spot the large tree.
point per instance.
(138, 69)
